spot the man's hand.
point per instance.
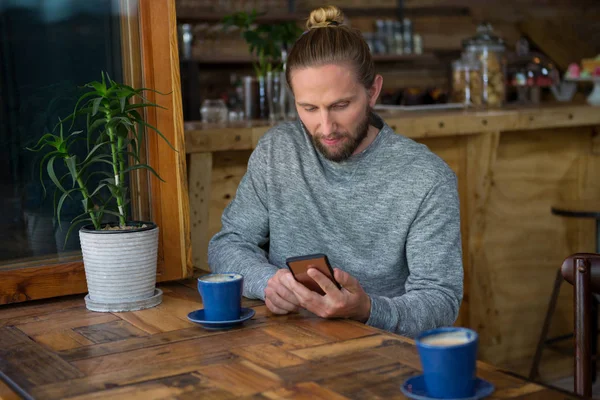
(349, 302)
(278, 298)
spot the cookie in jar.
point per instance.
(467, 85)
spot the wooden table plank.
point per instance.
(75, 354)
(174, 386)
(240, 379)
(335, 329)
(268, 355)
(74, 318)
(13, 314)
(65, 339)
(304, 391)
(348, 346)
(29, 364)
(127, 377)
(381, 382)
(333, 367)
(110, 332)
(164, 355)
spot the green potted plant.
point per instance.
(119, 256)
(267, 44)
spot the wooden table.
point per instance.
(57, 349)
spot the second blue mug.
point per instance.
(449, 359)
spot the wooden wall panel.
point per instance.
(533, 170)
(229, 168)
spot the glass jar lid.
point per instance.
(485, 38)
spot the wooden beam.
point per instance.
(480, 158)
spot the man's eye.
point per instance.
(310, 109)
(340, 106)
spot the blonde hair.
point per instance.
(328, 41)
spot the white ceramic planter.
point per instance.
(120, 268)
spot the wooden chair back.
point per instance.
(582, 270)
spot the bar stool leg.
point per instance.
(534, 372)
(594, 338)
(595, 314)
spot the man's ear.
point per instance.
(375, 90)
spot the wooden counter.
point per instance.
(512, 166)
(203, 137)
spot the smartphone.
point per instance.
(300, 265)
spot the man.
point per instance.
(339, 181)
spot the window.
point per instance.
(47, 50)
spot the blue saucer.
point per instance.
(415, 389)
(198, 318)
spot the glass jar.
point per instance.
(467, 82)
(528, 73)
(490, 51)
(214, 111)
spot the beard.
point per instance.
(349, 140)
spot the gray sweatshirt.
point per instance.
(388, 216)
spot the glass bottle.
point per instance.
(490, 51)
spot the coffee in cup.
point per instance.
(219, 277)
(447, 339)
(221, 296)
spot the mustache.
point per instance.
(333, 135)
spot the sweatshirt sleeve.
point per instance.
(434, 287)
(245, 230)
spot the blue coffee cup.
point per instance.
(221, 296)
(449, 359)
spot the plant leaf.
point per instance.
(100, 186)
(96, 105)
(74, 224)
(158, 132)
(97, 122)
(94, 149)
(43, 142)
(143, 105)
(97, 159)
(143, 166)
(111, 212)
(71, 162)
(60, 203)
(52, 175)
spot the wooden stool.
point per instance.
(576, 209)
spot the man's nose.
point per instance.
(327, 123)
